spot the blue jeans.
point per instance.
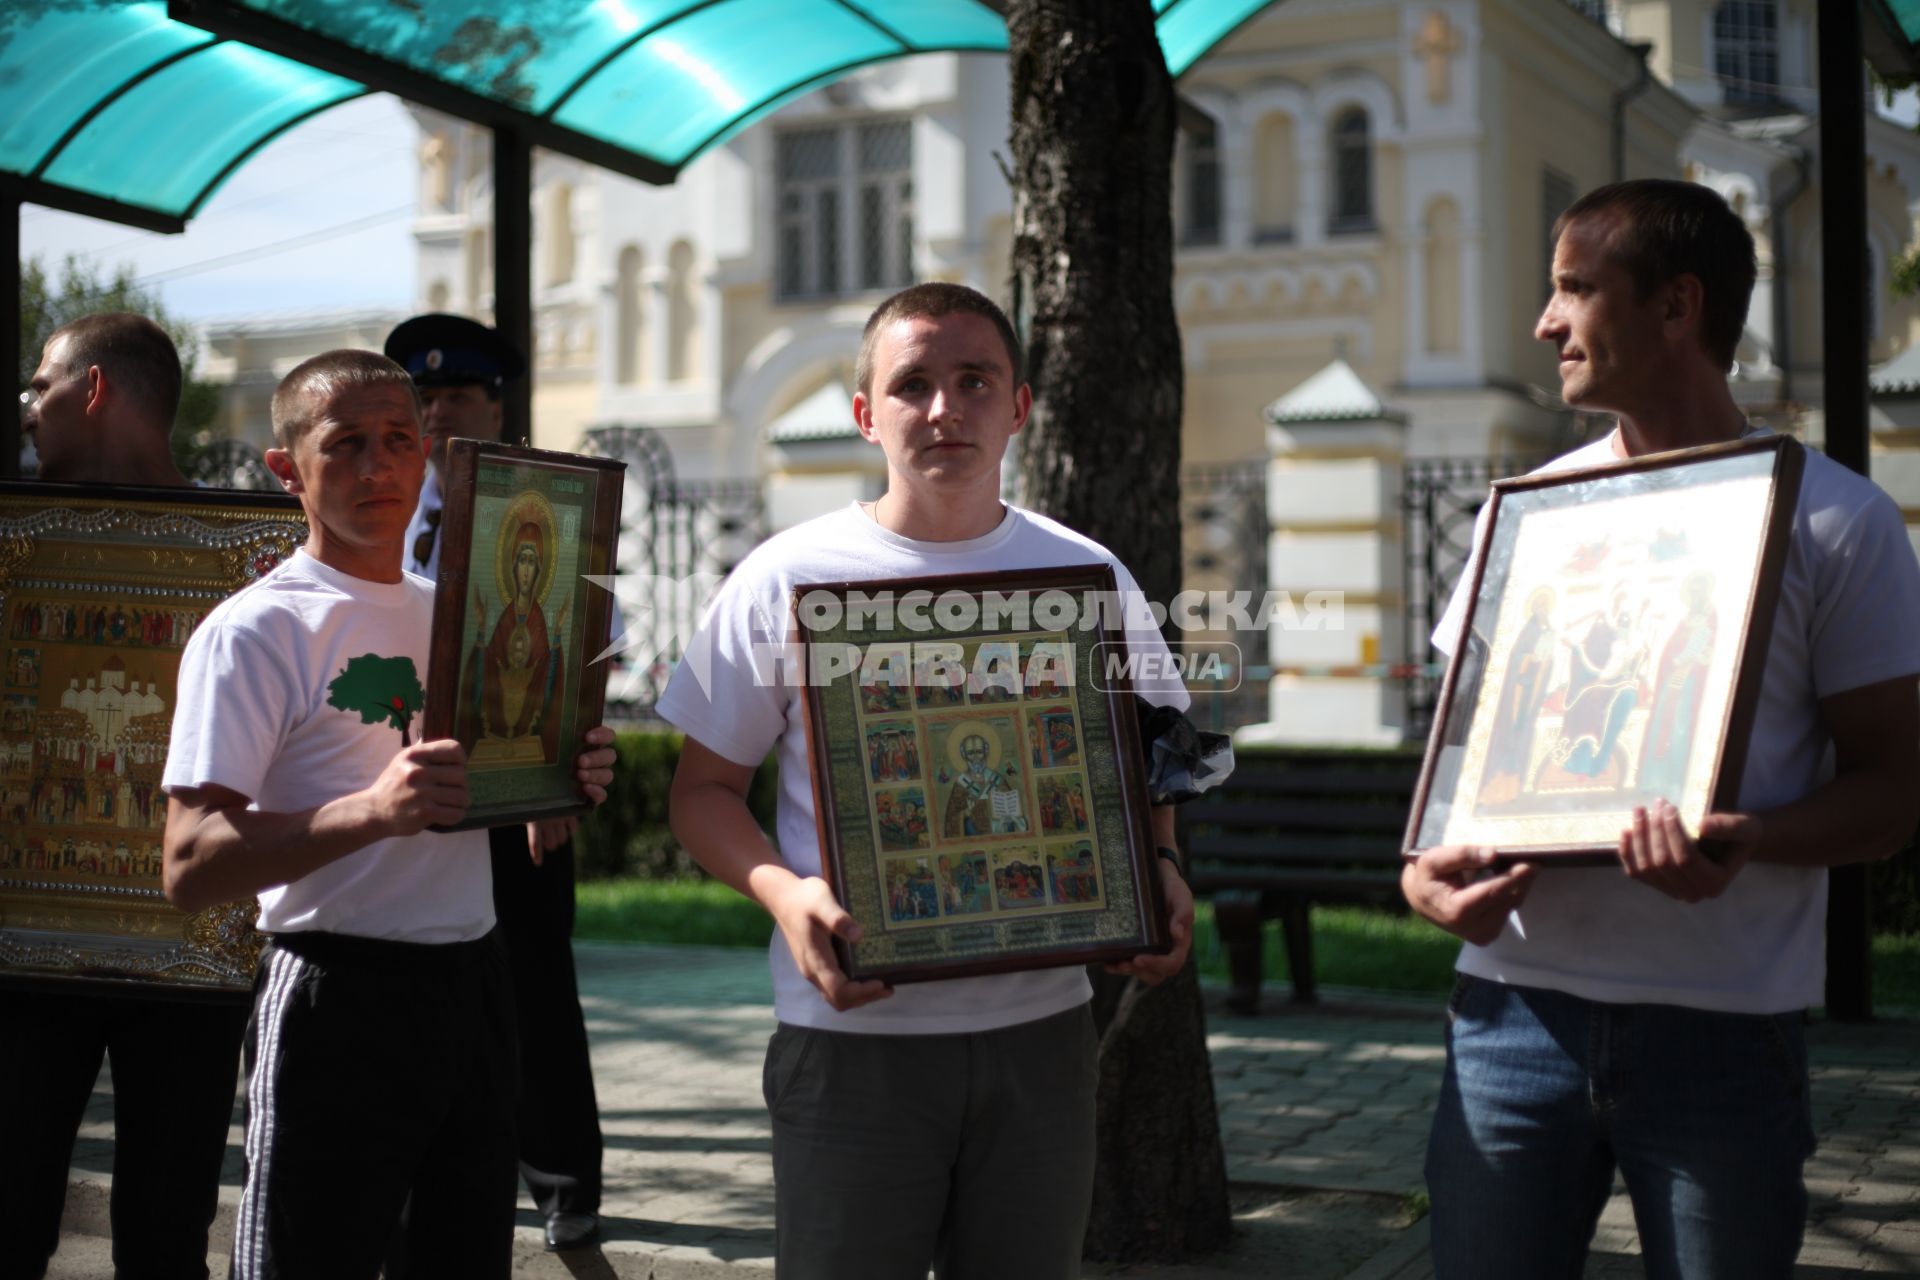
(1704, 1114)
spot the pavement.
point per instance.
(1324, 1113)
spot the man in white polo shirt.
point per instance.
(1648, 1017)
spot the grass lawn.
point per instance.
(1353, 946)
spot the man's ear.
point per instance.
(96, 388)
(1022, 406)
(280, 462)
(1686, 302)
(863, 418)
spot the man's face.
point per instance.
(57, 422)
(464, 410)
(1608, 338)
(943, 403)
(358, 467)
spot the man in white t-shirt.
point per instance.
(945, 1123)
(1651, 1021)
(99, 410)
(381, 1054)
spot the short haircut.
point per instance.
(1660, 229)
(136, 355)
(930, 301)
(325, 375)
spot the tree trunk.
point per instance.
(1093, 121)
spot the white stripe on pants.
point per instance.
(250, 1227)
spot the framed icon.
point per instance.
(100, 589)
(1615, 638)
(516, 672)
(978, 784)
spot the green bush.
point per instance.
(1893, 887)
(628, 836)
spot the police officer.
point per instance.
(459, 366)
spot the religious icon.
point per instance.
(893, 751)
(943, 751)
(1018, 879)
(515, 682)
(100, 591)
(1612, 650)
(980, 773)
(1072, 876)
(900, 816)
(965, 888)
(518, 623)
(911, 891)
(1063, 808)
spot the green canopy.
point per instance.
(138, 111)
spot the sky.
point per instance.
(341, 186)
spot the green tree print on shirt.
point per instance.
(379, 689)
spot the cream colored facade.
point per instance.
(1417, 256)
(248, 356)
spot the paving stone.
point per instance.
(1334, 1097)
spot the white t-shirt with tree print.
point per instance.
(300, 689)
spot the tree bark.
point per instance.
(1092, 137)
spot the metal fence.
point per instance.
(1440, 500)
(1224, 532)
(678, 540)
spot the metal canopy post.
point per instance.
(10, 334)
(513, 270)
(1843, 314)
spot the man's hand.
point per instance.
(594, 768)
(425, 785)
(1154, 970)
(548, 834)
(810, 919)
(1656, 850)
(1453, 887)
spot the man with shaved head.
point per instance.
(99, 410)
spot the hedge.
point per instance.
(628, 836)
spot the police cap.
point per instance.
(442, 350)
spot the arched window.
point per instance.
(1746, 51)
(683, 338)
(1200, 185)
(559, 234)
(1352, 156)
(1274, 197)
(1443, 277)
(629, 306)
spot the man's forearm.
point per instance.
(714, 825)
(228, 854)
(1163, 826)
(1857, 817)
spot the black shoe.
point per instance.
(571, 1230)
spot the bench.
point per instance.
(1290, 829)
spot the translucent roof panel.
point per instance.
(168, 140)
(672, 92)
(520, 53)
(139, 110)
(53, 70)
(115, 109)
(1189, 28)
